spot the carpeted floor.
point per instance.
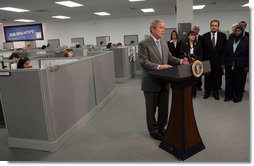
(118, 133)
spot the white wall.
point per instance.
(118, 27)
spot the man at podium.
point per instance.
(155, 55)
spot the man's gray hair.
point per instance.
(154, 23)
(195, 26)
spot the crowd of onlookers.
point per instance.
(227, 56)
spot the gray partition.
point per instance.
(102, 40)
(79, 40)
(20, 113)
(104, 76)
(54, 43)
(123, 66)
(130, 40)
(52, 104)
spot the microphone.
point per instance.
(188, 56)
(194, 56)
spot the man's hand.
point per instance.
(164, 66)
(185, 61)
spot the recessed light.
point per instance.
(246, 5)
(102, 13)
(61, 17)
(69, 3)
(13, 9)
(24, 20)
(147, 10)
(198, 7)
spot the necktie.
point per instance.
(158, 43)
(213, 41)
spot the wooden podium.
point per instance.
(182, 138)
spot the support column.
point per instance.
(184, 17)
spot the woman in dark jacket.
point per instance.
(192, 48)
(174, 44)
(235, 61)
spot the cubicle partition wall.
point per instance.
(123, 64)
(45, 107)
(104, 76)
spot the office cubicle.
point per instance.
(102, 40)
(130, 40)
(53, 103)
(124, 64)
(31, 43)
(79, 40)
(54, 43)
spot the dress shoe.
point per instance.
(156, 136)
(162, 131)
(237, 100)
(216, 97)
(206, 96)
(2, 124)
(227, 99)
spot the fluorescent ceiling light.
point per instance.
(12, 9)
(198, 7)
(246, 5)
(69, 3)
(102, 13)
(24, 20)
(61, 17)
(136, 0)
(147, 10)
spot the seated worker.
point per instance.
(119, 44)
(68, 53)
(109, 45)
(43, 47)
(23, 63)
(14, 56)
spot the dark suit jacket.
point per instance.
(185, 49)
(149, 58)
(241, 55)
(175, 50)
(199, 38)
(210, 53)
(246, 34)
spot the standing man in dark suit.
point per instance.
(196, 29)
(154, 55)
(244, 25)
(213, 44)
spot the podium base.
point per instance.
(182, 154)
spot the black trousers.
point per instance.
(235, 82)
(156, 102)
(213, 80)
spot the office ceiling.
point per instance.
(42, 10)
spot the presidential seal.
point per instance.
(197, 68)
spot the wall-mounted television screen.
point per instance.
(23, 32)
